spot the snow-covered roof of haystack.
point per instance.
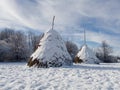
(87, 55)
(52, 49)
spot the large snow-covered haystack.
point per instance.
(51, 52)
(86, 55)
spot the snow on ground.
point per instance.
(17, 76)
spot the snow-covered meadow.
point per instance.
(17, 76)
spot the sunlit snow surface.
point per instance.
(17, 76)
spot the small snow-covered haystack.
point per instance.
(86, 55)
(51, 52)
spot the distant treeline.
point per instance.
(17, 46)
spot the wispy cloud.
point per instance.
(99, 17)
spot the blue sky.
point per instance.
(100, 18)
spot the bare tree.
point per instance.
(107, 50)
(33, 40)
(19, 46)
(5, 49)
(72, 48)
(6, 33)
(104, 52)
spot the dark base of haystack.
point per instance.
(77, 60)
(37, 63)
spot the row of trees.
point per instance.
(18, 46)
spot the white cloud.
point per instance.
(37, 14)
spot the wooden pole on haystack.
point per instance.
(84, 37)
(85, 41)
(53, 22)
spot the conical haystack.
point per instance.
(86, 55)
(51, 52)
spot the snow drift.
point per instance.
(86, 55)
(16, 76)
(51, 52)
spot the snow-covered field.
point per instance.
(17, 76)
